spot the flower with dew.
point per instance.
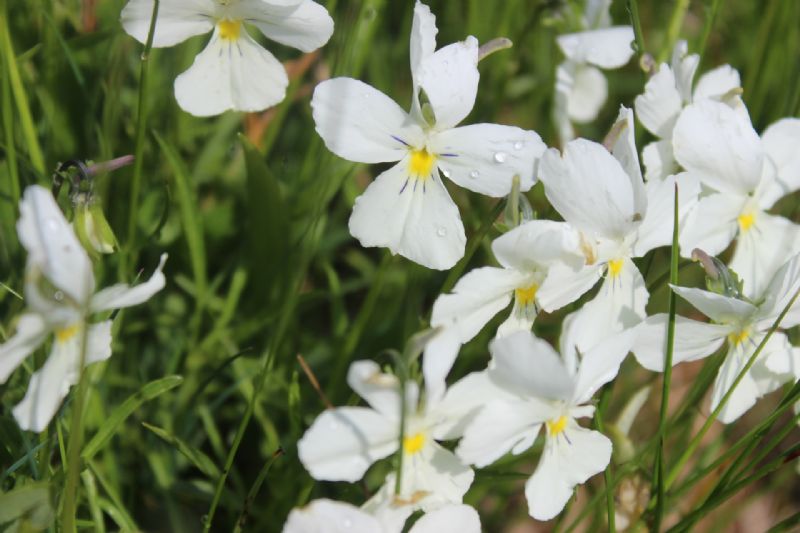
(739, 324)
(538, 259)
(536, 389)
(343, 442)
(744, 175)
(603, 196)
(60, 296)
(329, 516)
(233, 71)
(667, 92)
(407, 208)
(581, 87)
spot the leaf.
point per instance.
(199, 459)
(118, 416)
(30, 503)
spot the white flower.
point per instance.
(540, 262)
(747, 174)
(538, 388)
(667, 92)
(59, 293)
(603, 196)
(328, 516)
(233, 71)
(407, 208)
(581, 88)
(742, 326)
(343, 442)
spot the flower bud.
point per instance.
(92, 228)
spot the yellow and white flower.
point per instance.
(407, 208)
(233, 71)
(60, 295)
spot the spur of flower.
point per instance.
(668, 91)
(233, 71)
(739, 324)
(581, 87)
(407, 208)
(60, 297)
(744, 175)
(535, 389)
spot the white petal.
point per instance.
(440, 354)
(322, 516)
(520, 319)
(53, 250)
(762, 250)
(476, 298)
(98, 342)
(449, 78)
(381, 391)
(565, 80)
(719, 146)
(306, 26)
(31, 333)
(585, 88)
(423, 37)
(449, 519)
(693, 340)
(387, 509)
(360, 123)
(656, 228)
(779, 293)
(719, 308)
(485, 157)
(781, 140)
(342, 443)
(563, 465)
(176, 22)
(529, 366)
(776, 364)
(605, 48)
(123, 295)
(601, 364)
(684, 66)
(235, 74)
(413, 218)
(746, 392)
(658, 107)
(436, 471)
(537, 244)
(624, 150)
(501, 426)
(563, 285)
(717, 82)
(658, 160)
(712, 224)
(590, 189)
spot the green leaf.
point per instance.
(118, 416)
(199, 459)
(30, 504)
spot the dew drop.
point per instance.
(518, 145)
(441, 232)
(500, 157)
(58, 296)
(474, 174)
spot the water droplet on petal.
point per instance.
(441, 231)
(500, 157)
(474, 174)
(58, 296)
(518, 145)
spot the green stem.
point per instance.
(8, 133)
(251, 495)
(402, 373)
(658, 467)
(674, 28)
(607, 473)
(69, 508)
(128, 251)
(711, 16)
(633, 10)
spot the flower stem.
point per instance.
(633, 10)
(674, 28)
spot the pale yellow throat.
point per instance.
(421, 164)
(229, 29)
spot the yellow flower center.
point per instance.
(746, 221)
(65, 334)
(229, 29)
(414, 443)
(557, 426)
(526, 295)
(421, 164)
(615, 267)
(739, 337)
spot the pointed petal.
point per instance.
(176, 22)
(381, 391)
(123, 295)
(529, 366)
(605, 48)
(449, 78)
(693, 340)
(719, 308)
(448, 519)
(659, 162)
(342, 443)
(325, 515)
(485, 157)
(563, 285)
(656, 228)
(31, 333)
(624, 150)
(306, 26)
(658, 107)
(236, 74)
(440, 354)
(781, 140)
(590, 189)
(564, 465)
(360, 123)
(476, 298)
(719, 146)
(717, 82)
(413, 218)
(423, 37)
(684, 66)
(712, 224)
